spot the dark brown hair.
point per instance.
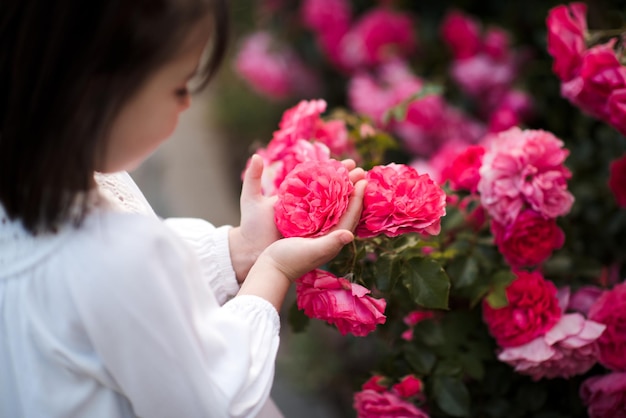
(66, 69)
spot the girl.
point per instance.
(105, 310)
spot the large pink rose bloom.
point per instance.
(371, 404)
(521, 169)
(532, 310)
(610, 309)
(336, 300)
(567, 27)
(617, 180)
(605, 396)
(377, 37)
(312, 198)
(398, 200)
(529, 240)
(567, 349)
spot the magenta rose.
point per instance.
(567, 27)
(371, 404)
(323, 296)
(462, 34)
(375, 383)
(617, 180)
(532, 310)
(398, 200)
(312, 198)
(462, 172)
(610, 309)
(605, 396)
(409, 386)
(529, 240)
(325, 15)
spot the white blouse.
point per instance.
(123, 318)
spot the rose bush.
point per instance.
(493, 148)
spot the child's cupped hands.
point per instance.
(258, 230)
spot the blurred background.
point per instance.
(197, 173)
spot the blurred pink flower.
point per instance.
(375, 383)
(272, 69)
(529, 240)
(378, 36)
(371, 404)
(409, 386)
(610, 309)
(462, 34)
(605, 396)
(566, 350)
(567, 28)
(324, 15)
(463, 170)
(323, 296)
(413, 318)
(482, 77)
(399, 200)
(524, 169)
(496, 43)
(617, 180)
(312, 198)
(533, 309)
(582, 300)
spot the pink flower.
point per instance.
(529, 240)
(409, 386)
(462, 34)
(377, 37)
(271, 68)
(605, 396)
(412, 319)
(566, 350)
(335, 300)
(617, 180)
(532, 310)
(482, 77)
(584, 298)
(524, 169)
(617, 110)
(610, 309)
(312, 198)
(325, 15)
(371, 404)
(462, 171)
(567, 27)
(398, 200)
(496, 44)
(600, 74)
(375, 383)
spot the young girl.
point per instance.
(105, 310)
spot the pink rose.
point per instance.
(567, 349)
(398, 200)
(462, 34)
(415, 317)
(583, 299)
(600, 74)
(462, 171)
(617, 110)
(617, 180)
(312, 198)
(496, 44)
(409, 386)
(529, 240)
(324, 15)
(370, 404)
(335, 300)
(524, 169)
(610, 309)
(567, 27)
(605, 396)
(532, 310)
(380, 35)
(483, 77)
(375, 383)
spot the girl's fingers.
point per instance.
(349, 164)
(351, 218)
(252, 178)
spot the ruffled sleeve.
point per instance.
(210, 244)
(165, 342)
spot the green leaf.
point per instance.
(386, 272)
(452, 396)
(463, 272)
(420, 358)
(497, 298)
(297, 319)
(427, 283)
(472, 366)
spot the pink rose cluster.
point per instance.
(339, 302)
(375, 37)
(535, 334)
(377, 400)
(617, 180)
(272, 68)
(523, 187)
(592, 77)
(302, 136)
(485, 66)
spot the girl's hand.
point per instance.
(258, 229)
